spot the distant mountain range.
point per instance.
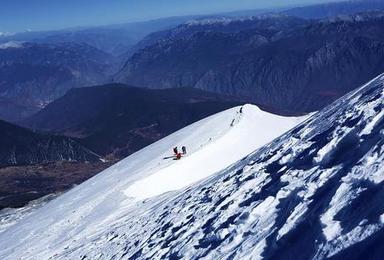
(289, 65)
(348, 7)
(117, 120)
(33, 75)
(252, 54)
(221, 24)
(113, 39)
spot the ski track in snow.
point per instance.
(312, 193)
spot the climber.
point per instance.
(175, 151)
(178, 156)
(184, 149)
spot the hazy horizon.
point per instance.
(41, 15)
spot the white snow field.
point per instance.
(10, 216)
(92, 208)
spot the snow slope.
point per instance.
(109, 198)
(316, 192)
(11, 216)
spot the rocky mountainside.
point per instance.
(293, 67)
(117, 120)
(33, 75)
(21, 146)
(11, 110)
(222, 24)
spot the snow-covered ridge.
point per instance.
(94, 206)
(219, 146)
(11, 44)
(212, 21)
(228, 20)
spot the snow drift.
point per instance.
(92, 208)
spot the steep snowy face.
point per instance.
(315, 192)
(111, 198)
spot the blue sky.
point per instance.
(22, 15)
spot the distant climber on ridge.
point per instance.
(175, 151)
(184, 149)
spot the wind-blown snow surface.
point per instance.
(114, 196)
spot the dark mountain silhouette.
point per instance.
(117, 120)
(33, 164)
(20, 146)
